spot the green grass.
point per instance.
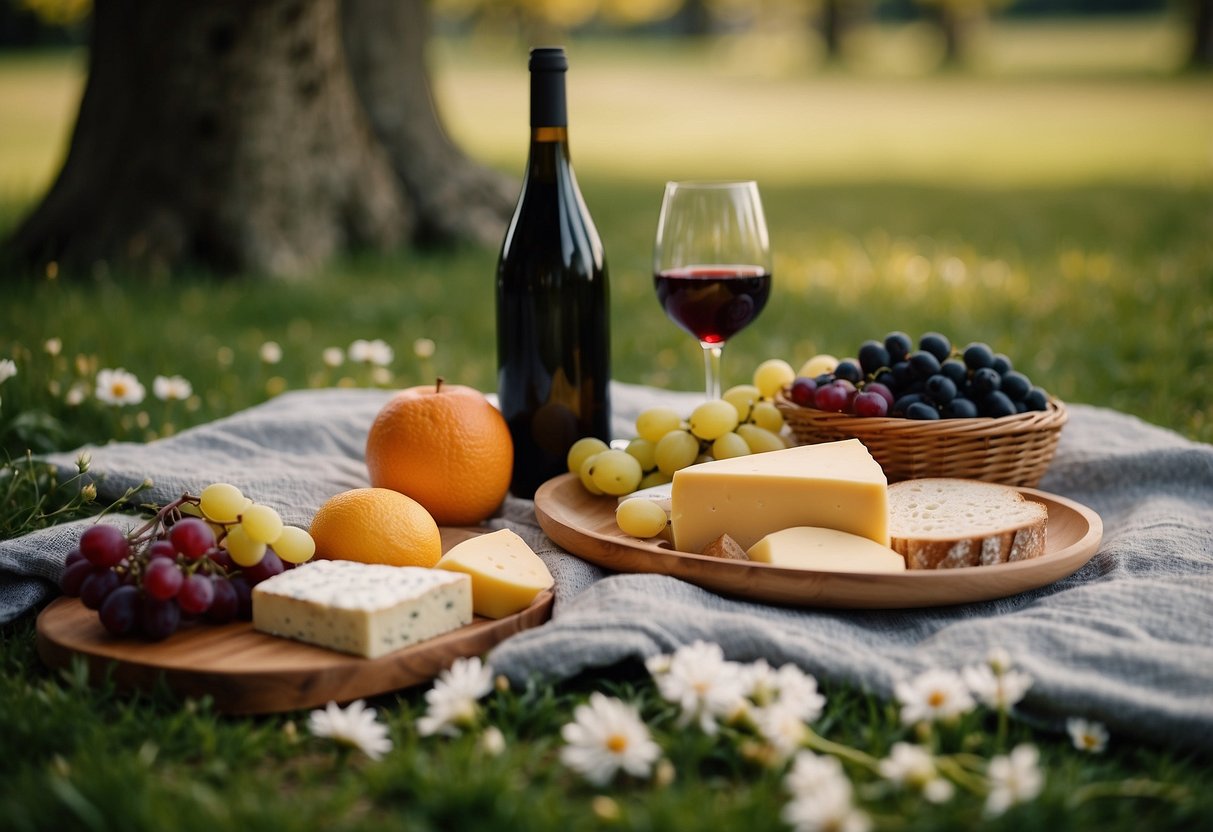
(1057, 207)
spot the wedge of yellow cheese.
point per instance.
(825, 550)
(833, 485)
(506, 572)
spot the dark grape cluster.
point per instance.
(172, 570)
(933, 381)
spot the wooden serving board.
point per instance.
(248, 672)
(585, 525)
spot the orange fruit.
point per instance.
(376, 525)
(446, 447)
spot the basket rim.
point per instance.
(1052, 418)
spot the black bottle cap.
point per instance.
(548, 65)
(548, 59)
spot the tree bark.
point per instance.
(454, 197)
(231, 134)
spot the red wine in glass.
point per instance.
(713, 303)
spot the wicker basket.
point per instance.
(1013, 450)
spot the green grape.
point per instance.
(767, 416)
(772, 376)
(641, 518)
(582, 450)
(261, 523)
(713, 419)
(586, 475)
(742, 397)
(244, 550)
(677, 449)
(653, 478)
(295, 545)
(222, 502)
(729, 446)
(759, 439)
(656, 422)
(616, 473)
(817, 365)
(645, 453)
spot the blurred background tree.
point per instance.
(270, 137)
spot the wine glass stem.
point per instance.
(711, 368)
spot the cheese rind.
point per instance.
(506, 573)
(369, 610)
(835, 485)
(825, 550)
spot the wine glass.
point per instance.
(712, 263)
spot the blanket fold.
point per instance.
(1125, 640)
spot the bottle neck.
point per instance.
(548, 107)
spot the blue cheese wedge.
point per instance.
(366, 609)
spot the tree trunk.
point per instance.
(1200, 55)
(232, 135)
(454, 197)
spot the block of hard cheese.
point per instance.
(365, 609)
(506, 573)
(834, 485)
(825, 550)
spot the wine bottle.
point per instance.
(553, 309)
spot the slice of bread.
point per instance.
(944, 523)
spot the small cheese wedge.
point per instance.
(506, 572)
(825, 550)
(361, 608)
(836, 485)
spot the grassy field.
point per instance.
(1055, 202)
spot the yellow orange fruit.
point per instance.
(446, 447)
(376, 525)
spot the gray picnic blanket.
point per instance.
(1127, 640)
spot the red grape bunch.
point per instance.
(197, 559)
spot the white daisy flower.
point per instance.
(333, 356)
(829, 812)
(8, 369)
(1014, 778)
(271, 352)
(371, 352)
(821, 796)
(381, 376)
(171, 388)
(605, 737)
(1087, 735)
(788, 687)
(996, 689)
(702, 684)
(813, 774)
(356, 727)
(75, 395)
(118, 387)
(914, 766)
(932, 696)
(492, 741)
(424, 348)
(53, 346)
(451, 702)
(782, 727)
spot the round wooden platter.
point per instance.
(248, 672)
(585, 525)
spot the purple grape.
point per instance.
(881, 390)
(192, 537)
(104, 545)
(97, 587)
(120, 610)
(849, 370)
(162, 579)
(803, 390)
(73, 556)
(898, 345)
(221, 558)
(833, 397)
(158, 619)
(224, 603)
(872, 356)
(937, 345)
(978, 355)
(870, 404)
(922, 410)
(161, 549)
(73, 577)
(923, 364)
(244, 597)
(269, 566)
(196, 594)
